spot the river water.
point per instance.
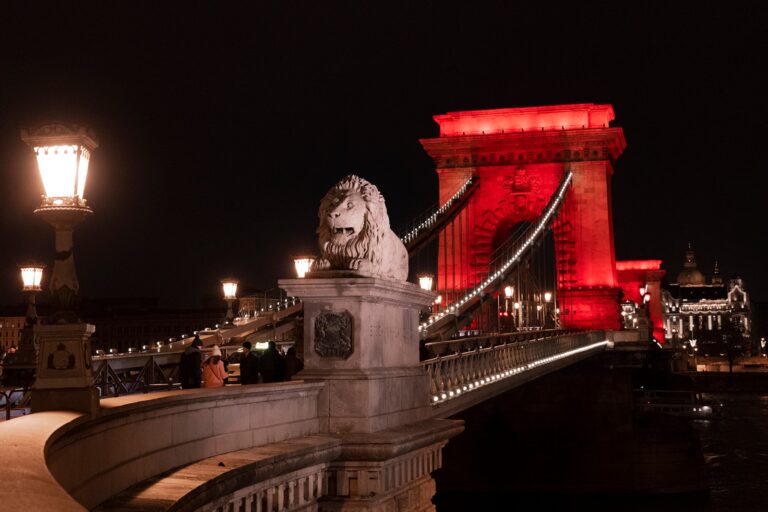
(736, 453)
(735, 449)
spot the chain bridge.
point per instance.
(527, 283)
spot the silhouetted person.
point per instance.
(293, 364)
(272, 364)
(249, 365)
(190, 366)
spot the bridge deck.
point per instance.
(203, 481)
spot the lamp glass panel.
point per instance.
(58, 169)
(302, 266)
(31, 277)
(82, 171)
(230, 289)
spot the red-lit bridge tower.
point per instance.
(520, 156)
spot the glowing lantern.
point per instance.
(547, 296)
(509, 291)
(229, 287)
(31, 276)
(302, 265)
(63, 154)
(425, 281)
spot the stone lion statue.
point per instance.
(354, 232)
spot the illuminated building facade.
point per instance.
(714, 314)
(10, 332)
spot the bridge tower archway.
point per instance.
(520, 156)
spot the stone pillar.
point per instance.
(64, 375)
(361, 338)
(592, 301)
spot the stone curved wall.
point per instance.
(54, 457)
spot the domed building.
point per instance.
(690, 275)
(695, 309)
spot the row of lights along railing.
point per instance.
(427, 220)
(508, 254)
(464, 372)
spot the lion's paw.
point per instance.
(321, 264)
(361, 265)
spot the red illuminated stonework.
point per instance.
(520, 156)
(639, 273)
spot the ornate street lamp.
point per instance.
(302, 265)
(229, 287)
(19, 367)
(509, 291)
(425, 281)
(63, 154)
(31, 277)
(64, 375)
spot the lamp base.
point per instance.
(64, 375)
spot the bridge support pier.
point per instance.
(361, 339)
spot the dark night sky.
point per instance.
(221, 128)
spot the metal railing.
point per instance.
(466, 364)
(140, 373)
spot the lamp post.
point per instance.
(63, 153)
(302, 265)
(31, 277)
(64, 379)
(693, 347)
(509, 292)
(19, 366)
(425, 283)
(547, 310)
(229, 287)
